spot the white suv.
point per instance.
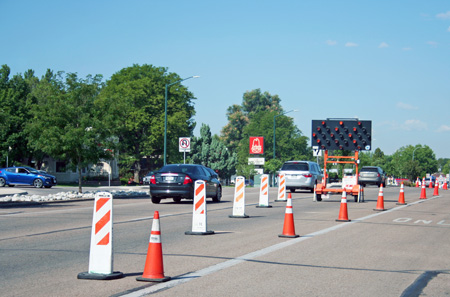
(302, 175)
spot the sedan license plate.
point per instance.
(169, 178)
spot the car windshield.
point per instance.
(32, 170)
(295, 166)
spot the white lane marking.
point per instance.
(220, 266)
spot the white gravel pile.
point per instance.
(71, 196)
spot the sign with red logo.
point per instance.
(256, 145)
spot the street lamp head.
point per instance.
(196, 76)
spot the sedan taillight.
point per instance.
(307, 175)
(187, 180)
(153, 180)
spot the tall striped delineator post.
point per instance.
(264, 192)
(199, 224)
(101, 250)
(281, 189)
(239, 199)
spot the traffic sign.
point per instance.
(185, 144)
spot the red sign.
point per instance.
(256, 145)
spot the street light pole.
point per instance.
(165, 112)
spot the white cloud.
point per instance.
(331, 42)
(443, 15)
(406, 106)
(444, 128)
(407, 48)
(416, 125)
(383, 45)
(351, 44)
(448, 29)
(432, 43)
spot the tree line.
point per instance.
(84, 120)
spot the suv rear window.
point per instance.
(295, 166)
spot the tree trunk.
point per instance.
(80, 190)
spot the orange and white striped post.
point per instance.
(101, 249)
(199, 223)
(239, 199)
(281, 188)
(264, 192)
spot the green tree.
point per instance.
(403, 164)
(210, 151)
(232, 132)
(133, 100)
(65, 122)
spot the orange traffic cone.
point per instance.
(289, 228)
(401, 197)
(343, 215)
(423, 192)
(380, 201)
(154, 270)
(430, 185)
(417, 182)
(436, 189)
(445, 187)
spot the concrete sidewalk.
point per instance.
(10, 191)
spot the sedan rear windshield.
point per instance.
(180, 169)
(369, 169)
(295, 166)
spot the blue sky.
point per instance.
(384, 61)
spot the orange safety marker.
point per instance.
(239, 199)
(101, 251)
(436, 188)
(154, 268)
(264, 192)
(445, 187)
(423, 192)
(380, 201)
(281, 188)
(417, 182)
(401, 197)
(343, 214)
(430, 185)
(199, 222)
(288, 227)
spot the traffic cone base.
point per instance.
(143, 279)
(263, 206)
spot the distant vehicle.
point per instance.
(302, 175)
(427, 181)
(146, 179)
(177, 181)
(12, 176)
(249, 182)
(372, 175)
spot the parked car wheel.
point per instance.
(2, 182)
(218, 196)
(156, 200)
(177, 200)
(37, 183)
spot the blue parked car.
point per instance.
(25, 176)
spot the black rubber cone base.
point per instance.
(100, 276)
(401, 203)
(280, 200)
(263, 206)
(376, 209)
(160, 280)
(289, 236)
(209, 232)
(343, 220)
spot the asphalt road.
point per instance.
(403, 251)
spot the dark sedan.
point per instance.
(26, 176)
(177, 181)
